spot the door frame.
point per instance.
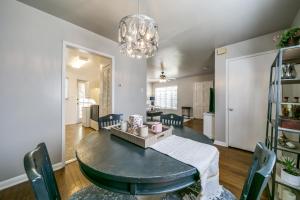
(67, 44)
(227, 87)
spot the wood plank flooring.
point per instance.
(74, 133)
(234, 166)
(234, 163)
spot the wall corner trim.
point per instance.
(220, 143)
(23, 177)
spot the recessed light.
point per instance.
(78, 62)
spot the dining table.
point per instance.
(120, 166)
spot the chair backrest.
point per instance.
(39, 170)
(172, 120)
(259, 173)
(109, 120)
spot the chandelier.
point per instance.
(138, 36)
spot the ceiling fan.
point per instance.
(163, 78)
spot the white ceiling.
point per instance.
(189, 29)
(93, 65)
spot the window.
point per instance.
(166, 97)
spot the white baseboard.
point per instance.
(71, 160)
(220, 143)
(13, 181)
(23, 177)
(58, 166)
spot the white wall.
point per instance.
(185, 88)
(251, 46)
(71, 102)
(31, 62)
(247, 47)
(149, 90)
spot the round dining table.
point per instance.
(120, 166)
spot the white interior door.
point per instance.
(247, 91)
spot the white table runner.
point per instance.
(204, 157)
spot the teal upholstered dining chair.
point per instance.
(259, 173)
(40, 174)
(109, 120)
(258, 177)
(172, 120)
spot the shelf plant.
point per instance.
(289, 37)
(289, 172)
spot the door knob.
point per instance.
(230, 109)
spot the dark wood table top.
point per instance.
(115, 164)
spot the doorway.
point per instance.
(88, 84)
(247, 99)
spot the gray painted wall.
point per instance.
(251, 46)
(296, 21)
(185, 87)
(30, 81)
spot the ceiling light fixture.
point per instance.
(162, 78)
(138, 35)
(78, 62)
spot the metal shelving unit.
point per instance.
(285, 55)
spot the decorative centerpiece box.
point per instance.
(289, 123)
(144, 142)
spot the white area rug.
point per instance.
(204, 157)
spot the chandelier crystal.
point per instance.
(138, 36)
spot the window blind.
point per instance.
(166, 97)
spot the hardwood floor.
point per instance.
(234, 163)
(234, 166)
(74, 133)
(196, 124)
(69, 180)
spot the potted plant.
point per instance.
(289, 37)
(289, 173)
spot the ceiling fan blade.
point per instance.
(170, 79)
